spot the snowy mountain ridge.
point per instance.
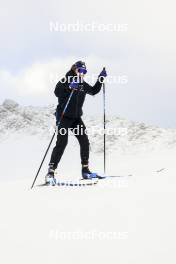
(40, 121)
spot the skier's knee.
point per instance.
(62, 140)
(85, 141)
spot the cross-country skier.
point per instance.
(74, 80)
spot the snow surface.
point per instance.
(126, 220)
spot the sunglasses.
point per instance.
(81, 70)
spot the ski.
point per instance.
(118, 176)
(83, 182)
(112, 176)
(76, 183)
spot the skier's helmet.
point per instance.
(80, 66)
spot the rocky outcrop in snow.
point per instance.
(123, 135)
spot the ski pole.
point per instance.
(104, 122)
(58, 124)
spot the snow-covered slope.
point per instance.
(128, 137)
(127, 220)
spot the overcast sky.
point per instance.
(33, 58)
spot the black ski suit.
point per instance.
(72, 117)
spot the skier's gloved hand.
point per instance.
(102, 75)
(74, 85)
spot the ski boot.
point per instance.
(50, 177)
(88, 175)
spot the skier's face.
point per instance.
(81, 72)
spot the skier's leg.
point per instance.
(79, 130)
(61, 143)
(83, 140)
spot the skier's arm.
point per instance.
(92, 90)
(60, 88)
